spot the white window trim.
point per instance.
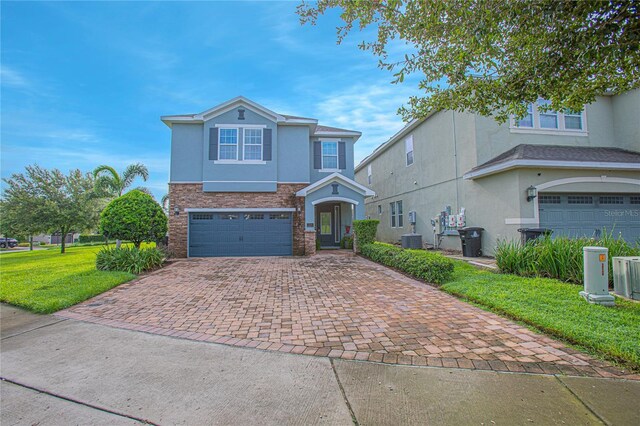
(246, 126)
(248, 162)
(326, 170)
(561, 130)
(244, 144)
(406, 151)
(393, 221)
(220, 143)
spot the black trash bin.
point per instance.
(471, 239)
(529, 234)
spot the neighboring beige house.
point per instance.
(582, 169)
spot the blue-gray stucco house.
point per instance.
(247, 181)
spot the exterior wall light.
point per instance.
(176, 210)
(532, 192)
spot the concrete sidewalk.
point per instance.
(70, 372)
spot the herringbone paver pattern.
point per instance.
(335, 305)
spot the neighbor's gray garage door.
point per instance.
(577, 215)
(240, 234)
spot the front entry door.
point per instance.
(328, 225)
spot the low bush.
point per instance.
(23, 244)
(346, 242)
(91, 238)
(365, 231)
(427, 266)
(560, 258)
(129, 259)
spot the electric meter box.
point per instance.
(412, 217)
(596, 276)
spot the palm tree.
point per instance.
(109, 182)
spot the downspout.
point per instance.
(455, 158)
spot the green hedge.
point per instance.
(560, 258)
(365, 230)
(130, 259)
(427, 266)
(91, 238)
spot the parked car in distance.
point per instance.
(8, 242)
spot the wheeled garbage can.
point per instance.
(529, 234)
(471, 239)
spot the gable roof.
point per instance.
(282, 119)
(556, 156)
(333, 177)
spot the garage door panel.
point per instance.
(579, 215)
(240, 234)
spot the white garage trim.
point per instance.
(535, 220)
(196, 210)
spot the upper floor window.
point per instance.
(330, 155)
(408, 149)
(253, 144)
(369, 174)
(228, 145)
(542, 120)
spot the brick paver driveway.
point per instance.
(335, 305)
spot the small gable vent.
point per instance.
(241, 114)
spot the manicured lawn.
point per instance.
(46, 281)
(556, 308)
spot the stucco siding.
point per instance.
(626, 119)
(293, 148)
(186, 153)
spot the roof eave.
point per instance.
(550, 164)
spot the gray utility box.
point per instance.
(626, 276)
(412, 241)
(596, 276)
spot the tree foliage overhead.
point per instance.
(42, 200)
(111, 183)
(135, 217)
(496, 55)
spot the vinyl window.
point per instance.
(397, 216)
(330, 155)
(228, 145)
(253, 144)
(408, 148)
(369, 174)
(400, 214)
(392, 206)
(536, 120)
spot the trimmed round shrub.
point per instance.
(134, 217)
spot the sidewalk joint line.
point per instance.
(34, 329)
(76, 401)
(344, 394)
(587, 406)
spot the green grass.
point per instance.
(46, 281)
(556, 308)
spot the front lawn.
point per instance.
(556, 308)
(46, 281)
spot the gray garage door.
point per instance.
(240, 234)
(577, 215)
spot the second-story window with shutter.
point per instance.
(330, 155)
(228, 144)
(253, 144)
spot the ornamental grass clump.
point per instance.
(560, 258)
(427, 266)
(129, 259)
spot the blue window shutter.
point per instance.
(342, 155)
(213, 144)
(266, 144)
(317, 155)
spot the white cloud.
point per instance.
(11, 77)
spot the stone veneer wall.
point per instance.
(190, 195)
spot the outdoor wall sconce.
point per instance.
(532, 192)
(176, 210)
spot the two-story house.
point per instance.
(247, 181)
(577, 173)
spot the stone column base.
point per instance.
(309, 243)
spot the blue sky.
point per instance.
(84, 84)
